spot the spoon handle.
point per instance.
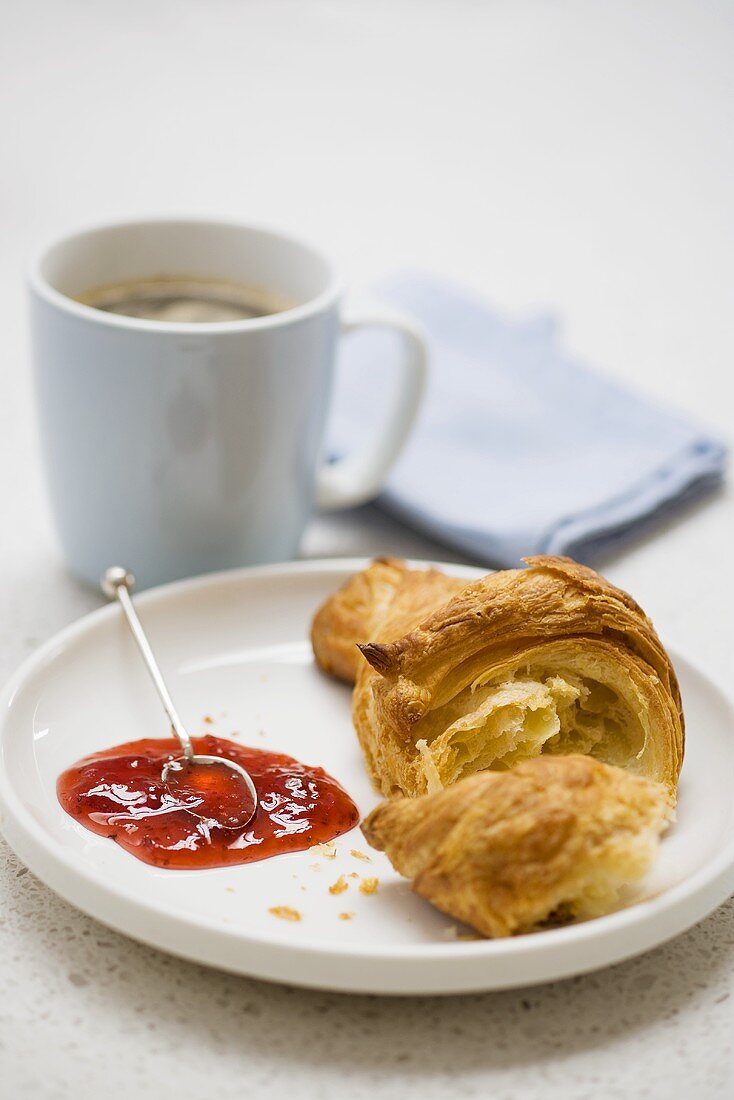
(117, 583)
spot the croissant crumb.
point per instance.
(285, 912)
(327, 850)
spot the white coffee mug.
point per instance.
(175, 449)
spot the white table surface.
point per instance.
(569, 156)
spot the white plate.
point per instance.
(235, 646)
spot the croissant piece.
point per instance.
(557, 837)
(462, 678)
(378, 604)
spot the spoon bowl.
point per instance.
(234, 811)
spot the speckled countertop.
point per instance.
(104, 1009)
(571, 155)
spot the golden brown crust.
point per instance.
(347, 617)
(504, 851)
(552, 658)
(388, 594)
(554, 596)
(548, 658)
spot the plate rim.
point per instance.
(683, 904)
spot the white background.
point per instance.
(571, 156)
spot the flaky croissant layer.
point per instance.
(462, 678)
(557, 837)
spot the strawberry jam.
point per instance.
(182, 824)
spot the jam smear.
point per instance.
(181, 824)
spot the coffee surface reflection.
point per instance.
(185, 300)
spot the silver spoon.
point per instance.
(117, 583)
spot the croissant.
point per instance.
(460, 678)
(558, 837)
(386, 594)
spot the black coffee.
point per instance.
(184, 300)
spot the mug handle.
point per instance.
(355, 479)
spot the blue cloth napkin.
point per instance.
(519, 449)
